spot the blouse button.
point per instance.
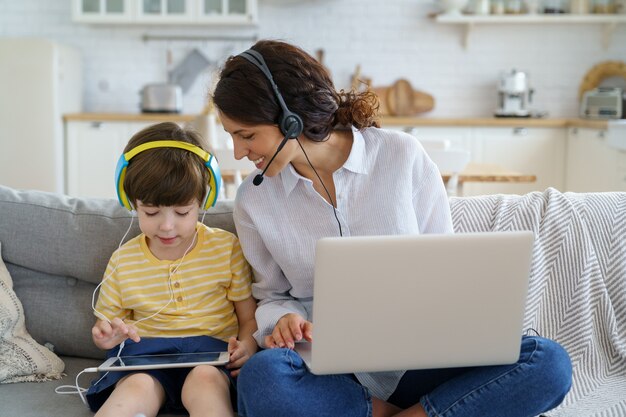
(177, 285)
(179, 299)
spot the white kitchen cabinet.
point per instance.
(459, 137)
(102, 11)
(593, 166)
(187, 12)
(620, 179)
(92, 151)
(538, 151)
(226, 11)
(527, 150)
(164, 11)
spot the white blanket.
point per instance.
(577, 293)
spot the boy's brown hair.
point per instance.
(166, 176)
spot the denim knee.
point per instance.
(252, 379)
(268, 368)
(259, 367)
(553, 370)
(277, 383)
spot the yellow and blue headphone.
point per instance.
(215, 178)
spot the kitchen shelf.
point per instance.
(166, 12)
(609, 21)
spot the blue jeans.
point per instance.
(276, 383)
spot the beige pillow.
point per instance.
(22, 359)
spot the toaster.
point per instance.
(161, 98)
(602, 103)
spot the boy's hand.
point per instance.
(239, 354)
(108, 335)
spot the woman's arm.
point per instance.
(271, 287)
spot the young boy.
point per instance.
(179, 286)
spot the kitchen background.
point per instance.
(389, 39)
(47, 105)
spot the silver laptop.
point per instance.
(386, 303)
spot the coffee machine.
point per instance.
(514, 95)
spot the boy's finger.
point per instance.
(232, 344)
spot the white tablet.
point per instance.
(160, 361)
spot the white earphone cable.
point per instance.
(76, 389)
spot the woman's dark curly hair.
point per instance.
(244, 94)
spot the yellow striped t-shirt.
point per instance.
(195, 298)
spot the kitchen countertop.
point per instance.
(129, 117)
(493, 122)
(385, 121)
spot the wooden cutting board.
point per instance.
(400, 99)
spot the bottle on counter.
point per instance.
(483, 7)
(603, 7)
(513, 7)
(532, 6)
(479, 7)
(554, 6)
(497, 6)
(579, 6)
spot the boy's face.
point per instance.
(169, 230)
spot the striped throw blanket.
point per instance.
(577, 293)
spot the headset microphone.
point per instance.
(259, 177)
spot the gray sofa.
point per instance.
(56, 249)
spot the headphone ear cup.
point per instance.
(215, 181)
(291, 125)
(120, 174)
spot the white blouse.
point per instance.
(388, 186)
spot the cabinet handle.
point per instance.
(96, 125)
(520, 131)
(574, 131)
(601, 134)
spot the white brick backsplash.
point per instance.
(390, 40)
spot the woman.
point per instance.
(342, 175)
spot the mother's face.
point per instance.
(258, 143)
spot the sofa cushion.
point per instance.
(58, 311)
(39, 400)
(71, 237)
(21, 358)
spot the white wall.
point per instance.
(390, 39)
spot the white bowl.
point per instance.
(453, 7)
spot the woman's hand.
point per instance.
(240, 352)
(291, 328)
(107, 335)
